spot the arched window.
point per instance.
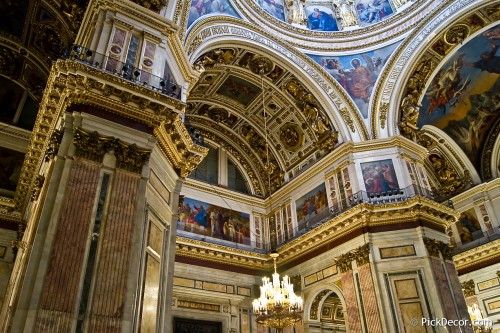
(208, 169)
(235, 179)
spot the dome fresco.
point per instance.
(201, 8)
(357, 73)
(463, 99)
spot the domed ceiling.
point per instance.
(230, 109)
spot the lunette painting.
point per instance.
(463, 98)
(201, 8)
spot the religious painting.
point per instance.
(321, 18)
(379, 176)
(373, 11)
(11, 162)
(201, 8)
(239, 90)
(468, 226)
(213, 221)
(357, 73)
(275, 8)
(312, 207)
(463, 98)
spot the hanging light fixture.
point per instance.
(278, 306)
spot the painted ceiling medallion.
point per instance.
(291, 136)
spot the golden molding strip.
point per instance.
(366, 215)
(363, 215)
(478, 255)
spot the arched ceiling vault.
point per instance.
(237, 107)
(439, 81)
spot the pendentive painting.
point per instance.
(373, 11)
(468, 226)
(463, 98)
(321, 18)
(357, 73)
(275, 8)
(201, 8)
(312, 207)
(379, 176)
(213, 221)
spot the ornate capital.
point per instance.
(343, 262)
(362, 254)
(93, 146)
(434, 247)
(469, 288)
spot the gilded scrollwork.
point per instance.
(53, 146)
(218, 56)
(456, 34)
(468, 288)
(37, 187)
(450, 182)
(316, 302)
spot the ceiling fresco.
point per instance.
(357, 73)
(201, 8)
(226, 106)
(463, 98)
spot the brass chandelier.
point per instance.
(278, 306)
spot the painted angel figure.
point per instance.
(345, 10)
(296, 13)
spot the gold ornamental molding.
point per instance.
(478, 190)
(367, 215)
(482, 254)
(72, 84)
(178, 147)
(191, 248)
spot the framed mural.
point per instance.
(321, 18)
(11, 162)
(373, 11)
(239, 90)
(312, 207)
(468, 226)
(201, 8)
(379, 176)
(357, 73)
(463, 98)
(213, 221)
(275, 8)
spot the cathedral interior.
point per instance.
(160, 157)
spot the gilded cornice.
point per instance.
(385, 87)
(346, 111)
(190, 248)
(227, 194)
(73, 83)
(177, 49)
(478, 255)
(175, 142)
(346, 148)
(478, 190)
(366, 215)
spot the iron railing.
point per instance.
(164, 85)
